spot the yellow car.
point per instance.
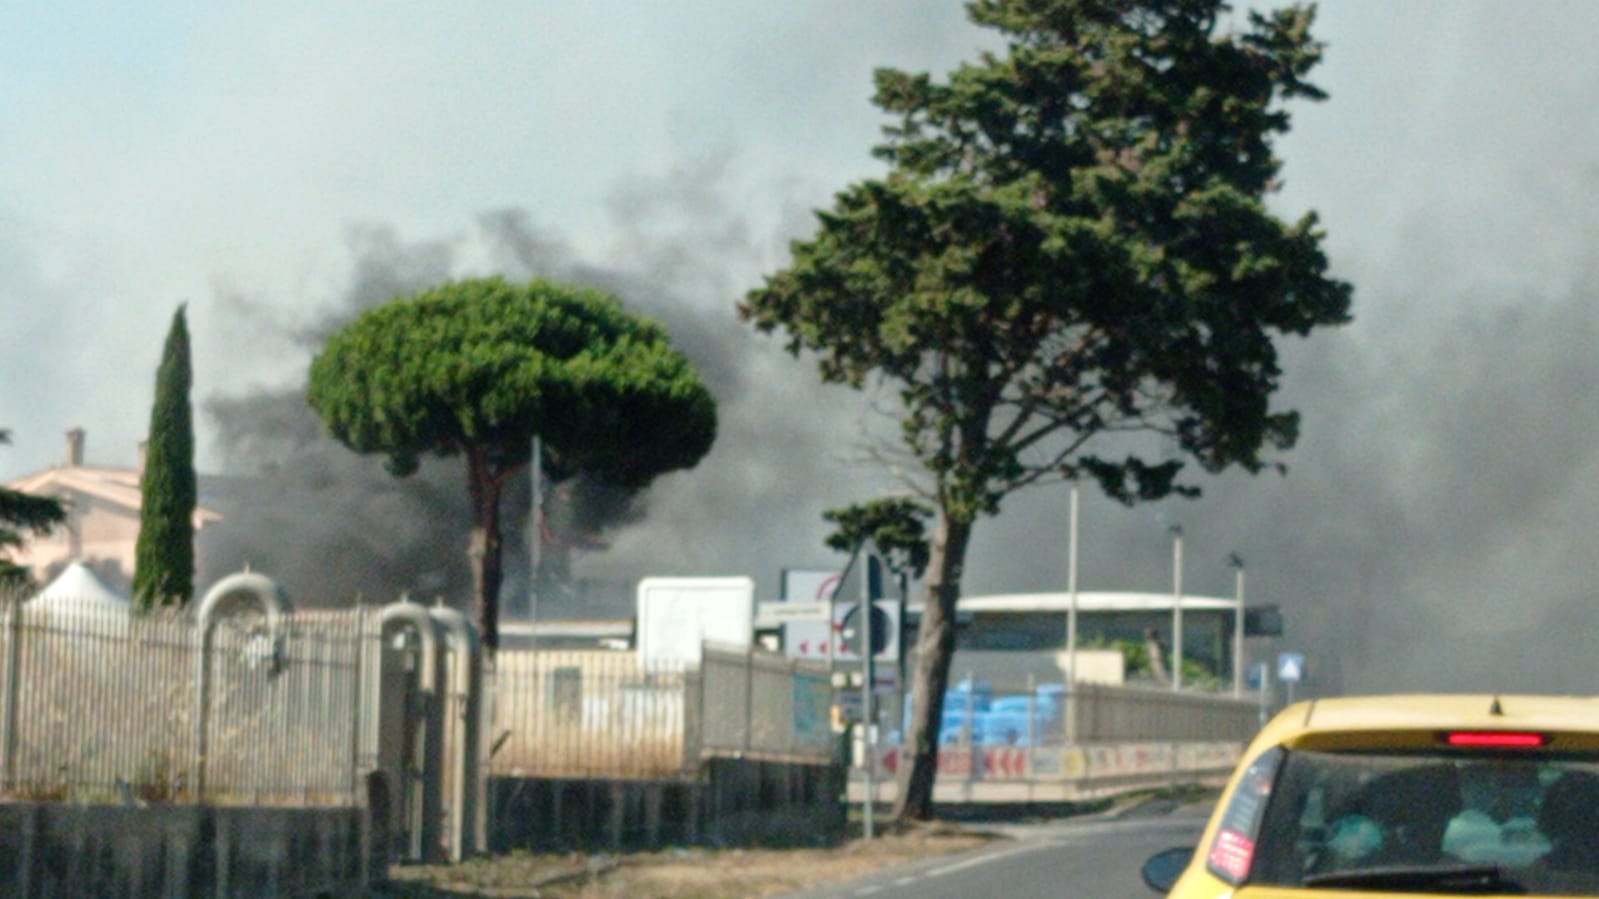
(1432, 795)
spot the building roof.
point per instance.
(118, 486)
(1087, 601)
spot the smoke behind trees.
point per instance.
(333, 525)
(1433, 530)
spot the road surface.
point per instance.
(1068, 859)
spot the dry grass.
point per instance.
(677, 874)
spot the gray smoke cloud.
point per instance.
(1432, 531)
(333, 525)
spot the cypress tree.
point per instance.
(163, 572)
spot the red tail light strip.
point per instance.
(1492, 738)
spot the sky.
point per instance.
(278, 167)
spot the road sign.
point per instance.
(774, 614)
(807, 638)
(1263, 621)
(852, 627)
(850, 705)
(1290, 667)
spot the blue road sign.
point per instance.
(1290, 666)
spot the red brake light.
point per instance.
(1496, 738)
(1231, 853)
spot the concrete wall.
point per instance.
(66, 851)
(736, 802)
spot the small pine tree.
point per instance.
(22, 514)
(163, 572)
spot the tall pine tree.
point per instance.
(163, 572)
(1070, 273)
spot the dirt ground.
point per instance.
(678, 873)
(700, 873)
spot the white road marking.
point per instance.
(984, 859)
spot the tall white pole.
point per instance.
(1071, 591)
(1069, 701)
(1177, 608)
(1238, 634)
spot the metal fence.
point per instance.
(98, 704)
(1104, 713)
(1029, 714)
(604, 714)
(586, 714)
(764, 705)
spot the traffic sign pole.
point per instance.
(1290, 669)
(868, 687)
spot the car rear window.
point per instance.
(1530, 817)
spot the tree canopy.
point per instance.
(163, 564)
(22, 514)
(1070, 270)
(481, 367)
(895, 525)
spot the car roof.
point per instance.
(1375, 715)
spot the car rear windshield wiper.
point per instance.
(1455, 878)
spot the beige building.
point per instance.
(102, 517)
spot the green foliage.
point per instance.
(1073, 241)
(163, 566)
(1135, 655)
(1197, 675)
(488, 364)
(896, 525)
(1070, 271)
(481, 367)
(21, 514)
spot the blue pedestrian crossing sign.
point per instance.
(1290, 666)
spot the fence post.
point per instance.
(749, 700)
(974, 752)
(693, 712)
(202, 691)
(13, 638)
(1032, 711)
(248, 585)
(360, 710)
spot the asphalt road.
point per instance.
(1067, 859)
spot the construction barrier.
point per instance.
(1023, 773)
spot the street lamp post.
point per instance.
(1071, 624)
(1071, 590)
(1237, 562)
(1177, 608)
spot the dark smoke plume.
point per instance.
(334, 526)
(1432, 531)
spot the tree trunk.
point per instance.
(935, 649)
(484, 546)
